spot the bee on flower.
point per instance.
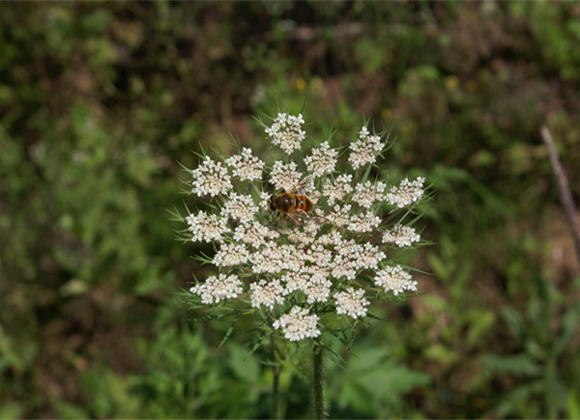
(303, 240)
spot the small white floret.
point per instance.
(298, 324)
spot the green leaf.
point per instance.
(336, 358)
(520, 364)
(214, 317)
(258, 342)
(366, 174)
(514, 322)
(381, 383)
(70, 411)
(513, 400)
(244, 365)
(481, 322)
(10, 410)
(230, 329)
(368, 358)
(568, 330)
(439, 267)
(441, 354)
(573, 405)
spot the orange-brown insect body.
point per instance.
(289, 203)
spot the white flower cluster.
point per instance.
(246, 167)
(298, 324)
(396, 279)
(366, 194)
(365, 149)
(352, 258)
(340, 216)
(351, 303)
(210, 178)
(364, 222)
(284, 176)
(215, 289)
(401, 236)
(274, 258)
(323, 160)
(255, 234)
(206, 227)
(317, 288)
(267, 293)
(240, 207)
(407, 192)
(338, 189)
(294, 266)
(231, 255)
(286, 132)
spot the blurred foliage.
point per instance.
(98, 100)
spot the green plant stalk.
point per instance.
(275, 380)
(318, 380)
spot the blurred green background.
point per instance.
(98, 102)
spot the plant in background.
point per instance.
(299, 244)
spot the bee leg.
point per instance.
(296, 220)
(275, 218)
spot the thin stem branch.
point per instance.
(318, 379)
(563, 189)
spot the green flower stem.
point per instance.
(318, 381)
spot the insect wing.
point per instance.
(300, 185)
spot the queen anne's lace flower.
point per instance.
(396, 279)
(298, 324)
(240, 207)
(316, 262)
(322, 161)
(363, 222)
(366, 194)
(298, 237)
(230, 255)
(215, 289)
(407, 193)
(246, 166)
(351, 257)
(267, 293)
(264, 197)
(273, 258)
(284, 176)
(210, 178)
(369, 256)
(338, 189)
(294, 281)
(401, 236)
(319, 257)
(340, 216)
(317, 288)
(254, 234)
(206, 227)
(351, 303)
(365, 149)
(286, 132)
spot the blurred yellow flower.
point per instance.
(317, 83)
(386, 113)
(451, 83)
(300, 83)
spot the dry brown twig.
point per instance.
(563, 188)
